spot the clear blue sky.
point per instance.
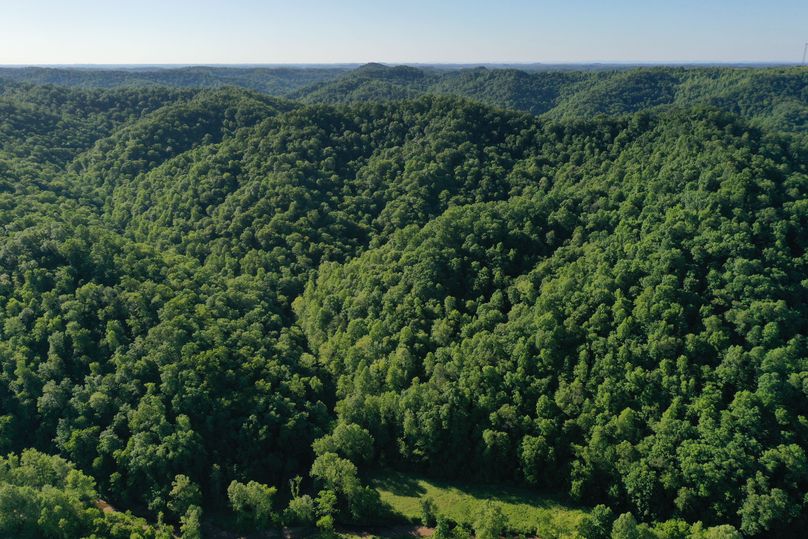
(320, 31)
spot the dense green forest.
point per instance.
(774, 97)
(230, 299)
(277, 80)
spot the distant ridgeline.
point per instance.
(590, 283)
(774, 97)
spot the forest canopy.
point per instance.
(227, 298)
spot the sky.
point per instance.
(402, 31)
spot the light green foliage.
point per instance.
(491, 522)
(184, 494)
(190, 523)
(326, 523)
(45, 497)
(351, 500)
(347, 440)
(302, 509)
(527, 512)
(126, 526)
(252, 504)
(326, 502)
(724, 531)
(337, 474)
(625, 527)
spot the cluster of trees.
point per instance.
(218, 302)
(44, 496)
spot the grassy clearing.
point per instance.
(528, 512)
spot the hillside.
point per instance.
(271, 80)
(773, 97)
(586, 283)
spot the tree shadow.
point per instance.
(399, 484)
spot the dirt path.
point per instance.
(401, 530)
(104, 506)
(397, 531)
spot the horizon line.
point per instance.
(419, 63)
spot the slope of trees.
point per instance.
(618, 338)
(220, 302)
(772, 97)
(272, 80)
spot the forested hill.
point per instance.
(774, 97)
(207, 292)
(272, 80)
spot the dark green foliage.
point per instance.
(203, 288)
(275, 81)
(429, 515)
(627, 360)
(536, 93)
(598, 524)
(775, 97)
